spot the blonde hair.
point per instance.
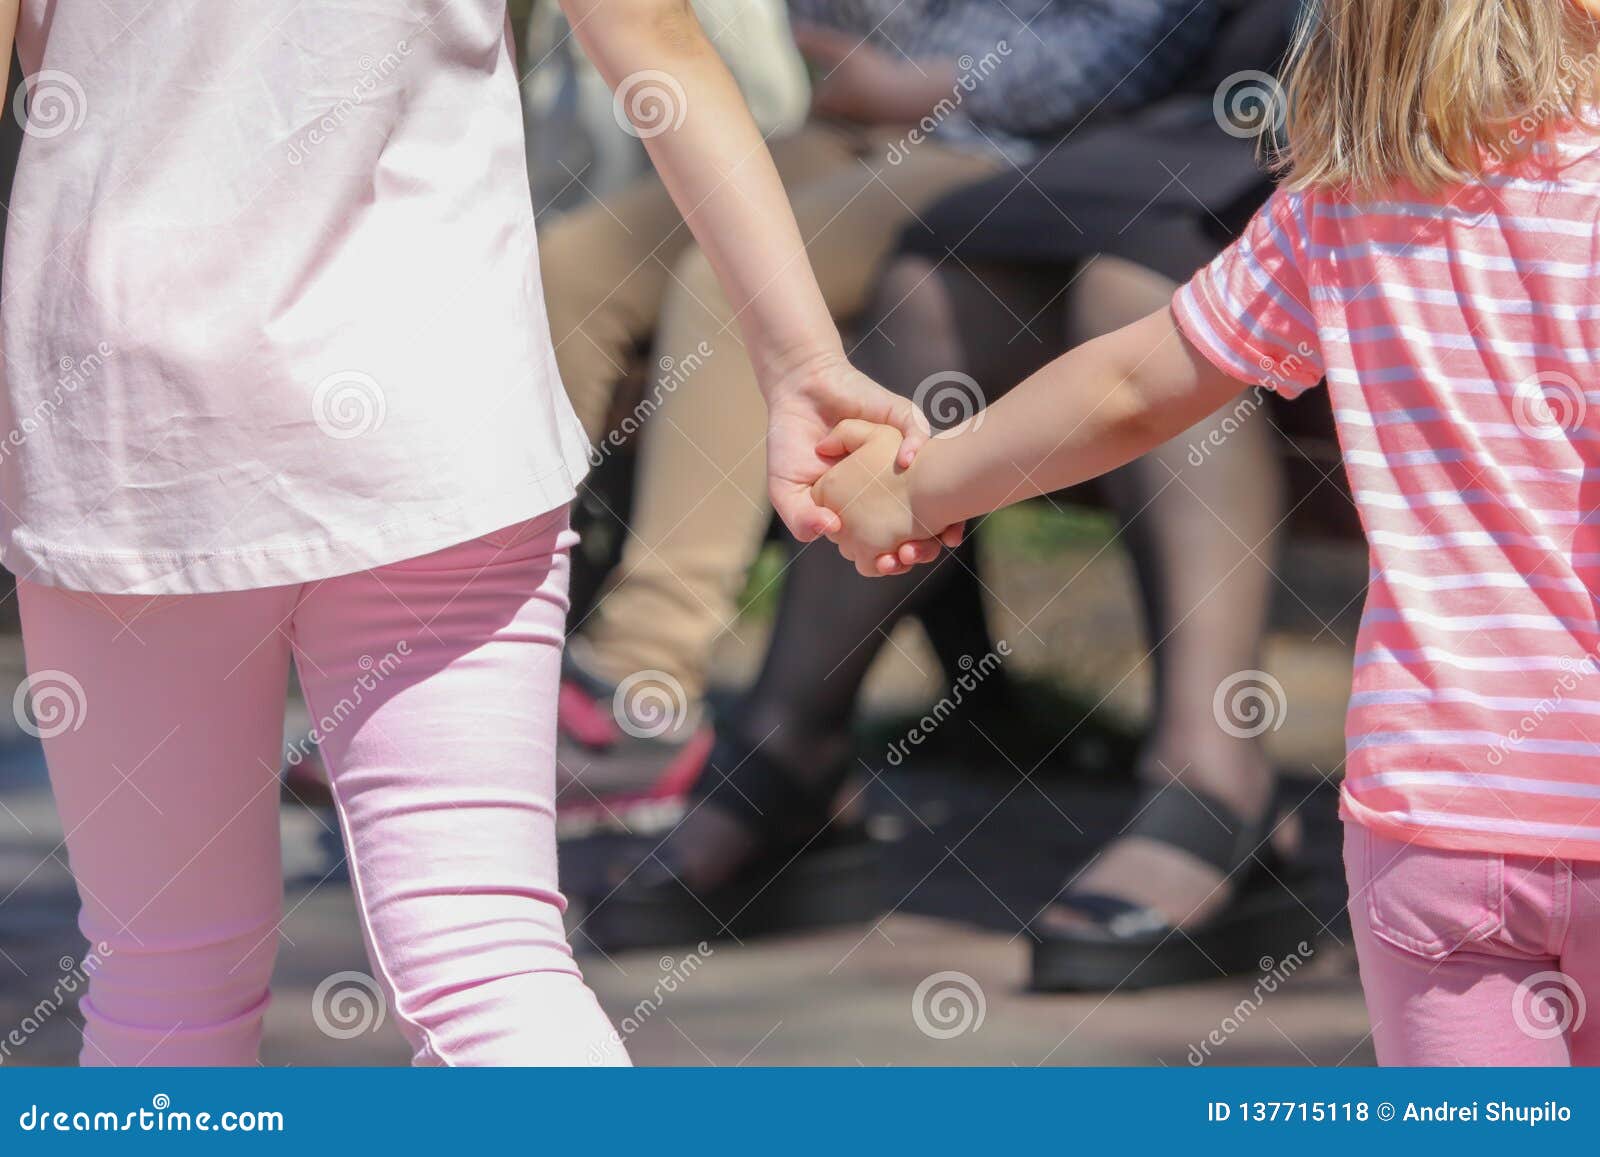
(1430, 92)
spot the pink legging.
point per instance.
(433, 686)
(1474, 958)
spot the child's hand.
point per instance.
(871, 496)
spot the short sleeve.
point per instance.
(1249, 311)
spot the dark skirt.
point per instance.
(1166, 187)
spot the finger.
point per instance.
(908, 418)
(819, 498)
(951, 536)
(888, 564)
(922, 551)
(805, 519)
(846, 438)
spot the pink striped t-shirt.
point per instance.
(1459, 336)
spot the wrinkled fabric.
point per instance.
(271, 303)
(431, 684)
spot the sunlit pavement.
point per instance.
(939, 980)
(848, 995)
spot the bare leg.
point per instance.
(1203, 540)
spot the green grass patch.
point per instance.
(1029, 532)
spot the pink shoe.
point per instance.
(612, 778)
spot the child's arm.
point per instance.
(712, 158)
(1091, 410)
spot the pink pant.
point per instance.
(1469, 958)
(433, 683)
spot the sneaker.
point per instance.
(626, 755)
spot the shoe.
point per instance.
(1125, 946)
(615, 779)
(816, 869)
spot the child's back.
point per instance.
(291, 246)
(1458, 334)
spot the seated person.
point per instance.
(995, 293)
(913, 98)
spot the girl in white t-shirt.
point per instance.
(279, 386)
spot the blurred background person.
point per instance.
(579, 146)
(999, 278)
(911, 99)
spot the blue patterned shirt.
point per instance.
(1031, 69)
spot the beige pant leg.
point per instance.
(700, 506)
(607, 264)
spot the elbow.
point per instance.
(1143, 419)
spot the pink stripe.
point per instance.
(1477, 467)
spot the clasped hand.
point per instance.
(874, 498)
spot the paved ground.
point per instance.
(972, 850)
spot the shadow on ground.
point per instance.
(968, 858)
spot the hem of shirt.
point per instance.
(1189, 311)
(286, 564)
(1462, 840)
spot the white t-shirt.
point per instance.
(271, 302)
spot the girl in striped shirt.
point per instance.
(1431, 257)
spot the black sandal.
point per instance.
(816, 870)
(1129, 946)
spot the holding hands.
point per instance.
(883, 525)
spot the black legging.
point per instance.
(1201, 537)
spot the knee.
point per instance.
(188, 985)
